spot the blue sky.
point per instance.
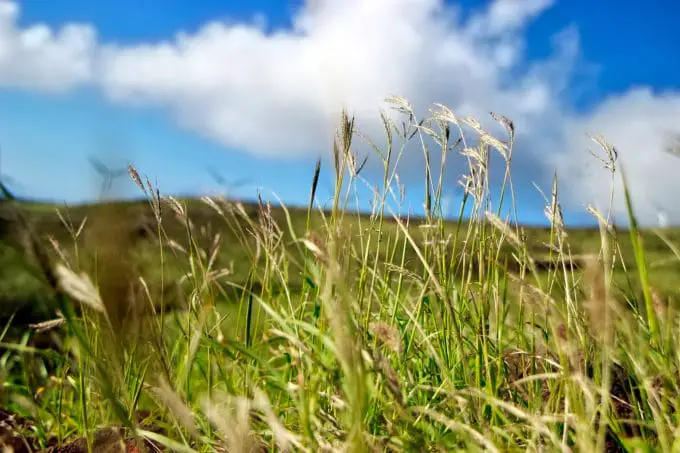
(591, 66)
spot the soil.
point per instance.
(106, 440)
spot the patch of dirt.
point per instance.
(106, 440)
(12, 429)
(109, 440)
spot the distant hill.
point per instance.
(134, 225)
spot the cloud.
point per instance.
(278, 94)
(508, 15)
(38, 58)
(641, 125)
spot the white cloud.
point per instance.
(39, 58)
(640, 124)
(279, 94)
(508, 15)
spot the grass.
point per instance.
(209, 325)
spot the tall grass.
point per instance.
(406, 334)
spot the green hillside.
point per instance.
(77, 231)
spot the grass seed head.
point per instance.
(388, 335)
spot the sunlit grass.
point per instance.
(331, 331)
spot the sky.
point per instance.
(251, 91)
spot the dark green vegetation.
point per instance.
(209, 325)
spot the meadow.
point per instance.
(200, 325)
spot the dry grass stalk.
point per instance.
(80, 287)
(231, 417)
(177, 407)
(600, 307)
(504, 228)
(316, 245)
(388, 335)
(135, 177)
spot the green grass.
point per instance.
(228, 326)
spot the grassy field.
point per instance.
(212, 325)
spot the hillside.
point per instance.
(130, 230)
